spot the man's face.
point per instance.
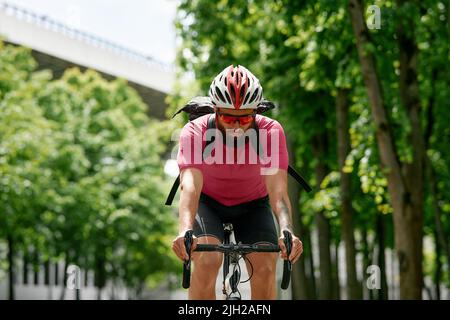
(232, 126)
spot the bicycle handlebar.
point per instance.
(241, 249)
(287, 266)
(237, 248)
(187, 263)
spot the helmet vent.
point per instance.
(246, 97)
(220, 94)
(233, 94)
(255, 94)
(228, 97)
(241, 93)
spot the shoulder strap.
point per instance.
(211, 122)
(294, 174)
(173, 191)
(211, 125)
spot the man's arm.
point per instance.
(191, 183)
(276, 185)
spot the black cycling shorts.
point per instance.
(252, 221)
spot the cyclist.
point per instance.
(245, 194)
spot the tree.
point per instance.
(405, 178)
(304, 53)
(82, 176)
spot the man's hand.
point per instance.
(296, 250)
(179, 248)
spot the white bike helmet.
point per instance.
(236, 88)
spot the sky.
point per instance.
(145, 26)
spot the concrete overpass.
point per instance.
(57, 46)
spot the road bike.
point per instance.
(233, 253)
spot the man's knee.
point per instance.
(207, 263)
(264, 266)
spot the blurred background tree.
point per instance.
(81, 175)
(360, 107)
(366, 115)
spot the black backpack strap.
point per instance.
(259, 150)
(291, 170)
(211, 125)
(211, 122)
(173, 191)
(176, 183)
(294, 174)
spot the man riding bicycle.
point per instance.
(218, 186)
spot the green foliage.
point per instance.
(303, 52)
(81, 171)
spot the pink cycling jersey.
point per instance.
(233, 175)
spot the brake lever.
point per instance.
(187, 263)
(287, 263)
(288, 242)
(188, 242)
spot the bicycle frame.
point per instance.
(232, 253)
(228, 259)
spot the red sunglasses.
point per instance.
(230, 119)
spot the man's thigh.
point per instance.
(207, 222)
(257, 225)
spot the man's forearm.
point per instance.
(282, 210)
(187, 209)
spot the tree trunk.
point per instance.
(441, 237)
(100, 276)
(381, 236)
(76, 261)
(323, 225)
(36, 267)
(405, 188)
(325, 282)
(86, 271)
(300, 283)
(414, 172)
(439, 233)
(366, 261)
(11, 270)
(26, 262)
(438, 271)
(353, 288)
(336, 283)
(310, 265)
(299, 280)
(56, 266)
(47, 272)
(64, 282)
